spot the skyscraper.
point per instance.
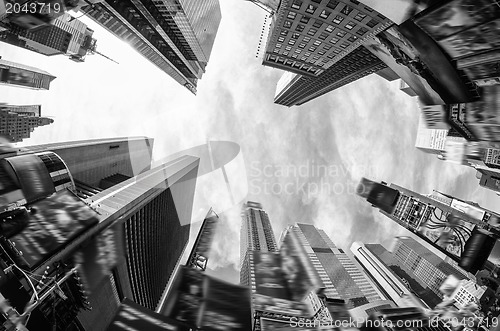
(371, 258)
(21, 75)
(309, 36)
(65, 35)
(256, 235)
(17, 122)
(294, 89)
(143, 224)
(93, 162)
(447, 223)
(176, 36)
(314, 41)
(343, 277)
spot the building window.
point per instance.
(307, 54)
(352, 38)
(298, 51)
(323, 36)
(306, 39)
(287, 24)
(321, 53)
(312, 31)
(362, 31)
(355, 2)
(299, 28)
(283, 32)
(276, 50)
(368, 9)
(294, 56)
(350, 25)
(291, 15)
(317, 43)
(329, 28)
(304, 19)
(327, 47)
(372, 23)
(292, 42)
(295, 36)
(278, 45)
(341, 33)
(281, 39)
(338, 19)
(310, 9)
(324, 14)
(344, 45)
(317, 1)
(296, 4)
(285, 53)
(381, 16)
(332, 4)
(302, 45)
(288, 48)
(346, 10)
(317, 24)
(359, 17)
(334, 40)
(304, 58)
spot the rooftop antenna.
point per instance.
(104, 56)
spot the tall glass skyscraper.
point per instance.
(176, 36)
(343, 277)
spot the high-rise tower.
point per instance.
(21, 75)
(17, 122)
(176, 36)
(256, 235)
(343, 278)
(142, 226)
(65, 35)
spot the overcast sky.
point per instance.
(302, 163)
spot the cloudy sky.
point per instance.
(302, 163)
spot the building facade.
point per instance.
(16, 74)
(17, 122)
(176, 36)
(309, 36)
(295, 90)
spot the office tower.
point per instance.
(309, 37)
(256, 235)
(176, 36)
(93, 163)
(65, 35)
(460, 229)
(424, 267)
(388, 282)
(21, 75)
(294, 90)
(17, 122)
(343, 278)
(142, 225)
